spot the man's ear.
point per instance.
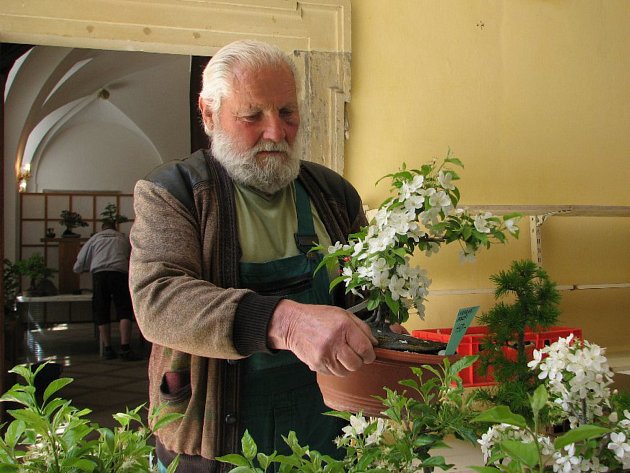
(206, 114)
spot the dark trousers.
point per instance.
(108, 286)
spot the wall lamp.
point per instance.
(23, 176)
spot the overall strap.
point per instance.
(305, 238)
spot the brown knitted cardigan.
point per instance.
(184, 280)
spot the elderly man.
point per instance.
(221, 276)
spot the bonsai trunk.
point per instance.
(382, 331)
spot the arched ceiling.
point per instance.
(49, 86)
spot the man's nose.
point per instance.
(274, 129)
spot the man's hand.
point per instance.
(328, 339)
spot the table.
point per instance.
(35, 315)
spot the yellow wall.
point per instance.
(534, 97)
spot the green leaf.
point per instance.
(242, 469)
(166, 419)
(463, 363)
(6, 468)
(264, 460)
(340, 414)
(25, 398)
(30, 418)
(525, 452)
(335, 282)
(82, 464)
(434, 461)
(410, 383)
(55, 386)
(25, 372)
(453, 160)
(14, 432)
(583, 432)
(248, 446)
(485, 469)
(54, 405)
(501, 415)
(233, 459)
(172, 468)
(539, 399)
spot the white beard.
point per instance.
(268, 175)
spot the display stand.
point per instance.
(69, 282)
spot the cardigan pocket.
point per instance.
(175, 386)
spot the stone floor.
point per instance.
(104, 386)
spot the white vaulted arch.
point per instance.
(316, 32)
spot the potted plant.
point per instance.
(421, 216)
(49, 434)
(414, 422)
(34, 268)
(110, 215)
(533, 307)
(575, 388)
(71, 220)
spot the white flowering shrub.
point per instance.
(399, 442)
(422, 214)
(577, 377)
(575, 386)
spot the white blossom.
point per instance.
(409, 188)
(467, 254)
(481, 222)
(444, 178)
(619, 445)
(510, 226)
(441, 200)
(356, 426)
(568, 463)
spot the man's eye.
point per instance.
(287, 113)
(253, 117)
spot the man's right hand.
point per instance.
(328, 339)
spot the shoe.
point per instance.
(109, 353)
(129, 355)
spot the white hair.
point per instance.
(218, 74)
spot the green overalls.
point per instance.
(279, 393)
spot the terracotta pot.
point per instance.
(355, 392)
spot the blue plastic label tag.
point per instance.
(465, 315)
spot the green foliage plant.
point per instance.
(398, 442)
(34, 267)
(110, 215)
(527, 301)
(51, 435)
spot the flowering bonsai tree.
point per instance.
(422, 214)
(575, 388)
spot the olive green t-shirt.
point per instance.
(267, 224)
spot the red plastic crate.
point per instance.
(472, 344)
